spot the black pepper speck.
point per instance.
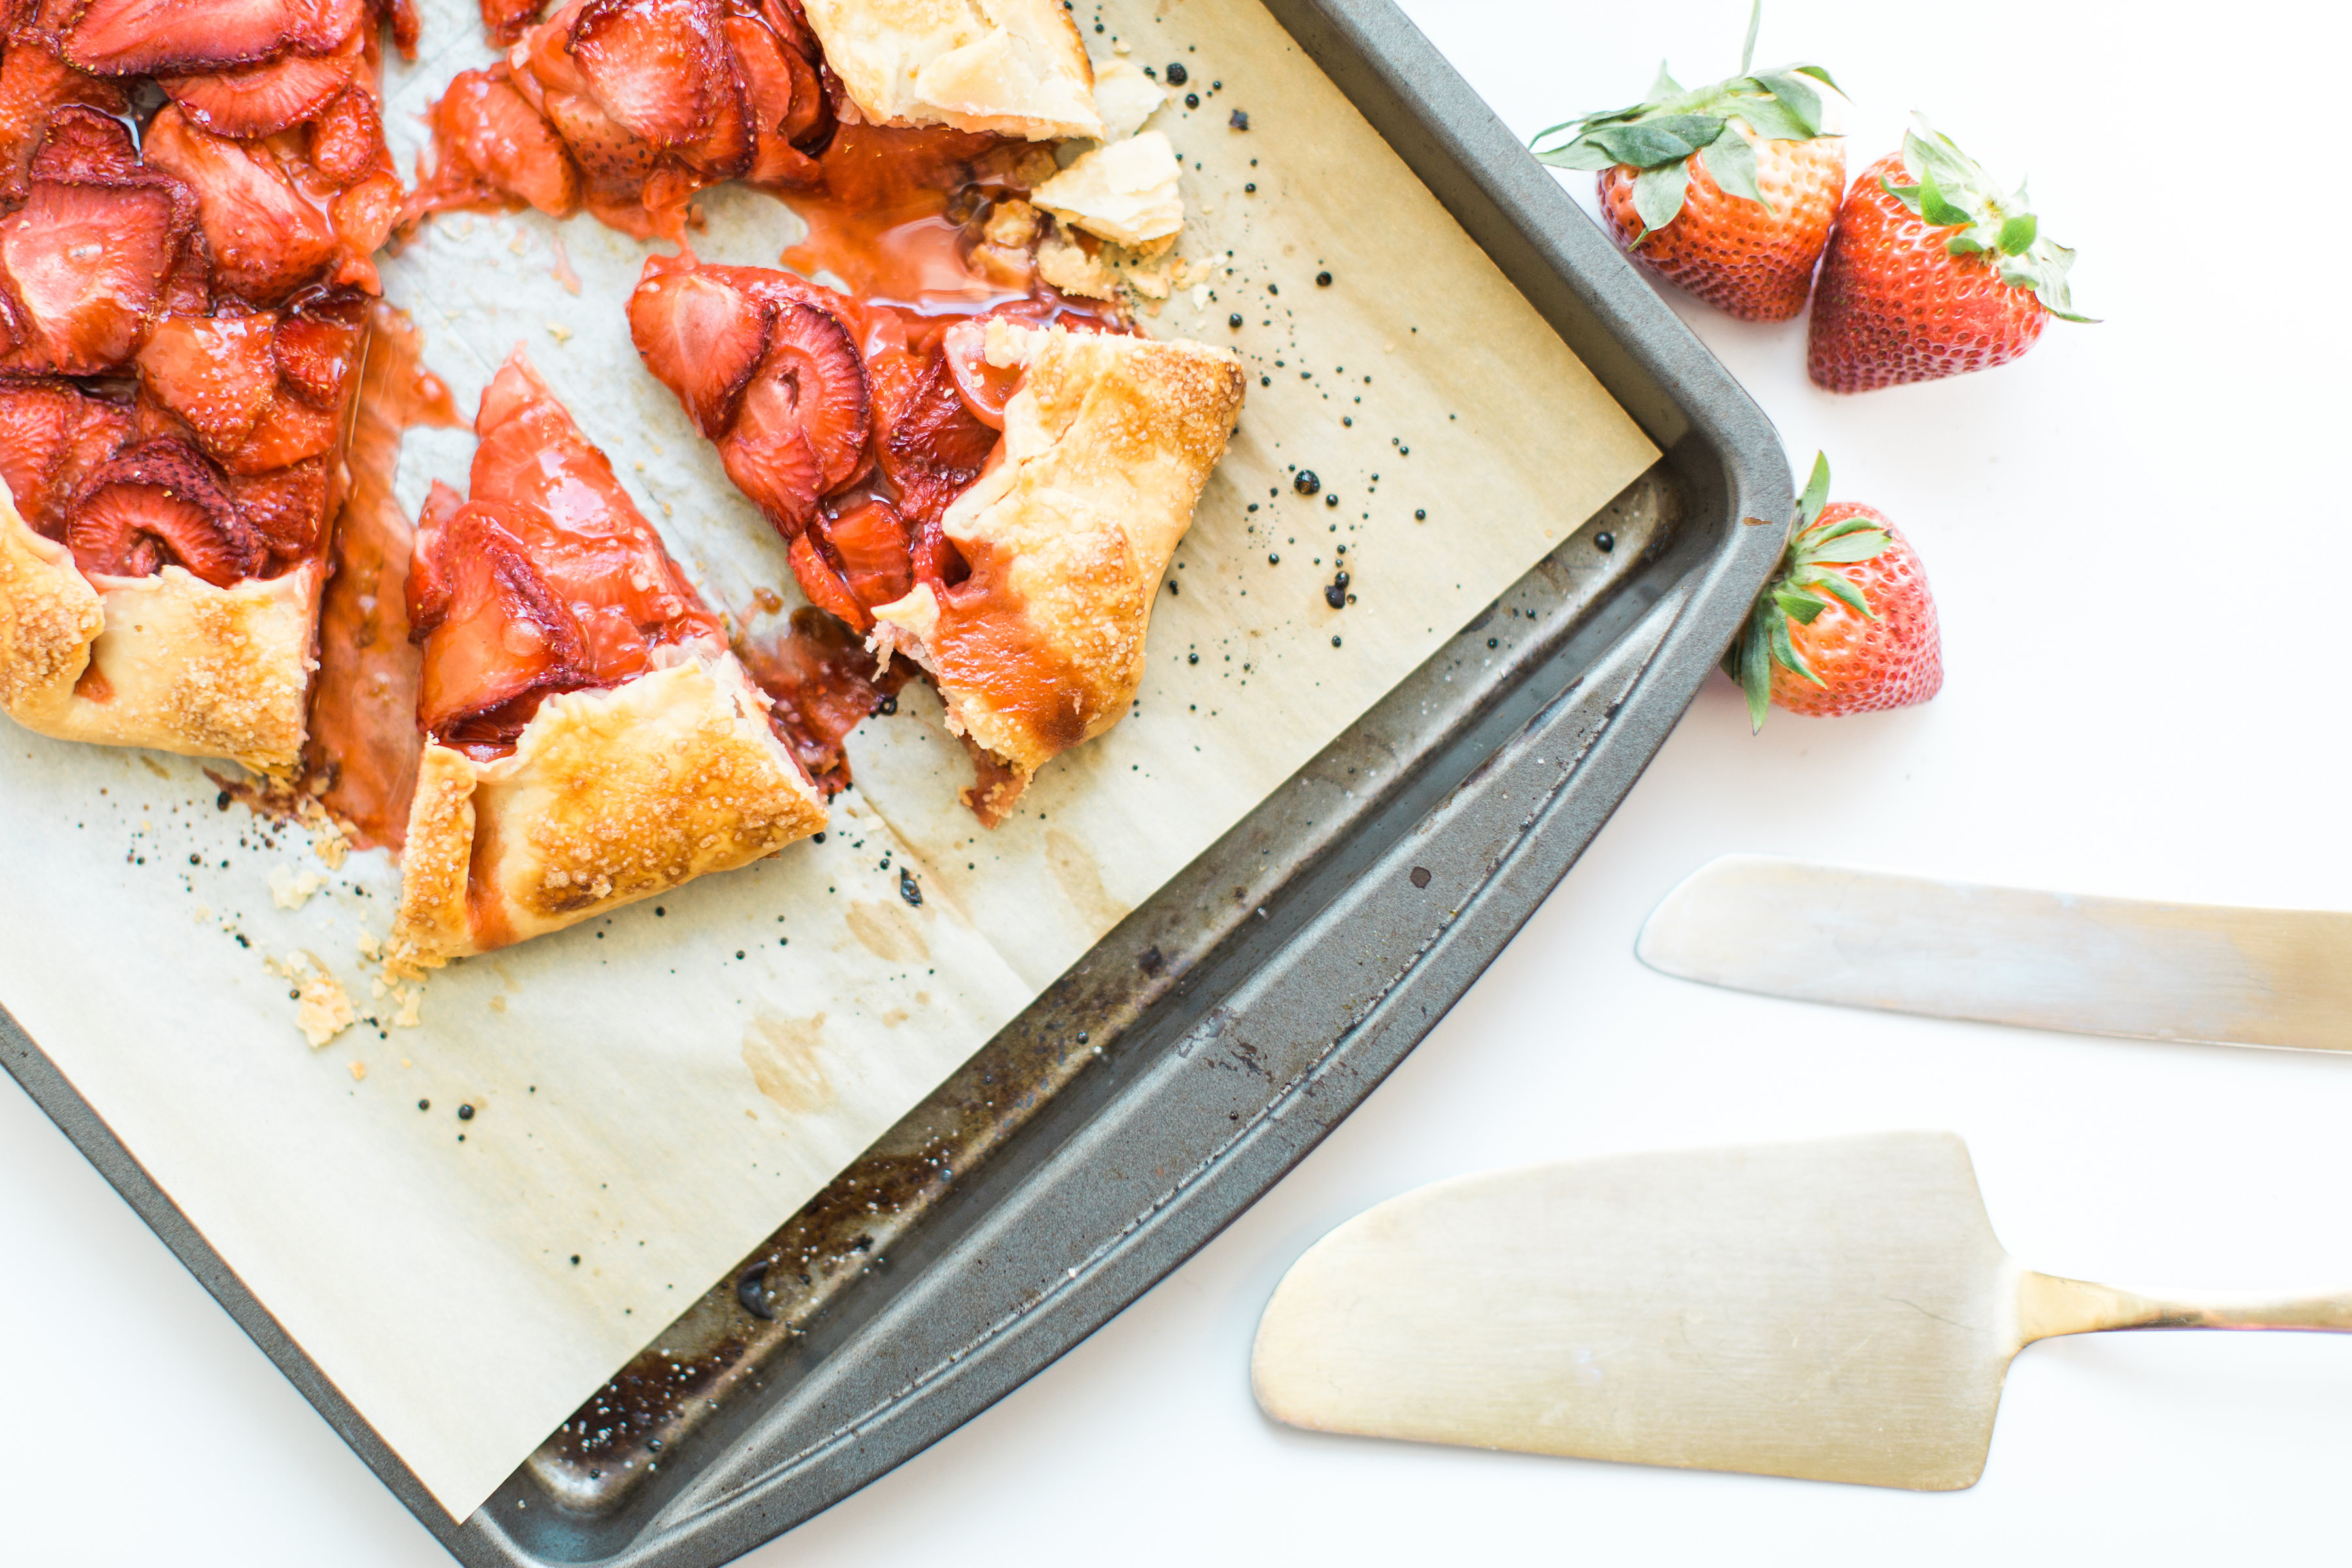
(1234, 321)
(1177, 74)
(1331, 500)
(1335, 640)
(1307, 483)
(465, 1113)
(1240, 120)
(1322, 280)
(908, 890)
(1192, 101)
(1604, 542)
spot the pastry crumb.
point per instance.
(559, 331)
(359, 1072)
(1065, 264)
(1125, 98)
(411, 1000)
(324, 1011)
(369, 946)
(291, 890)
(1123, 191)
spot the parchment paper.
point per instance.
(577, 1136)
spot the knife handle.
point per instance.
(2048, 1306)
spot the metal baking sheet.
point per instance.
(1213, 1037)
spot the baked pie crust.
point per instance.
(169, 662)
(608, 797)
(1017, 67)
(1106, 446)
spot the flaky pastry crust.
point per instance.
(608, 797)
(1016, 67)
(1106, 446)
(168, 662)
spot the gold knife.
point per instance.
(2010, 956)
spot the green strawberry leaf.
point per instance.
(1817, 492)
(1935, 208)
(1818, 74)
(1658, 195)
(1867, 545)
(1754, 668)
(1799, 606)
(1582, 154)
(1647, 144)
(1961, 245)
(1821, 533)
(2017, 234)
(1772, 120)
(1731, 162)
(1842, 586)
(1784, 651)
(1665, 86)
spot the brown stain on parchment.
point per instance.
(886, 932)
(1081, 882)
(783, 1054)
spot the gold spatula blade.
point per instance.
(2010, 956)
(1837, 1310)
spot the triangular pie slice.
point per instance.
(589, 741)
(182, 327)
(997, 498)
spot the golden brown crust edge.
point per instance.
(1107, 447)
(608, 797)
(168, 662)
(1016, 67)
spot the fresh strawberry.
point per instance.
(1846, 623)
(1726, 190)
(1932, 273)
(159, 505)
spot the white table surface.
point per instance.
(2141, 577)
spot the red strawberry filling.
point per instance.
(53, 437)
(138, 37)
(269, 236)
(824, 684)
(547, 579)
(927, 442)
(646, 100)
(156, 505)
(270, 95)
(34, 86)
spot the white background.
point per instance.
(2140, 569)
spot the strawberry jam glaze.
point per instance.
(361, 759)
(544, 578)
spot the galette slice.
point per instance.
(994, 497)
(589, 741)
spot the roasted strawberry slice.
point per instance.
(318, 346)
(495, 635)
(217, 372)
(347, 138)
(491, 145)
(776, 470)
(702, 336)
(157, 505)
(813, 374)
(868, 542)
(85, 265)
(823, 586)
(287, 506)
(930, 447)
(34, 85)
(268, 238)
(363, 219)
(658, 68)
(53, 437)
(141, 37)
(584, 536)
(770, 85)
(823, 682)
(270, 95)
(985, 388)
(508, 20)
(289, 431)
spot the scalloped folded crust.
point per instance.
(608, 797)
(169, 662)
(1013, 66)
(1106, 446)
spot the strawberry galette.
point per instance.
(590, 740)
(980, 466)
(181, 323)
